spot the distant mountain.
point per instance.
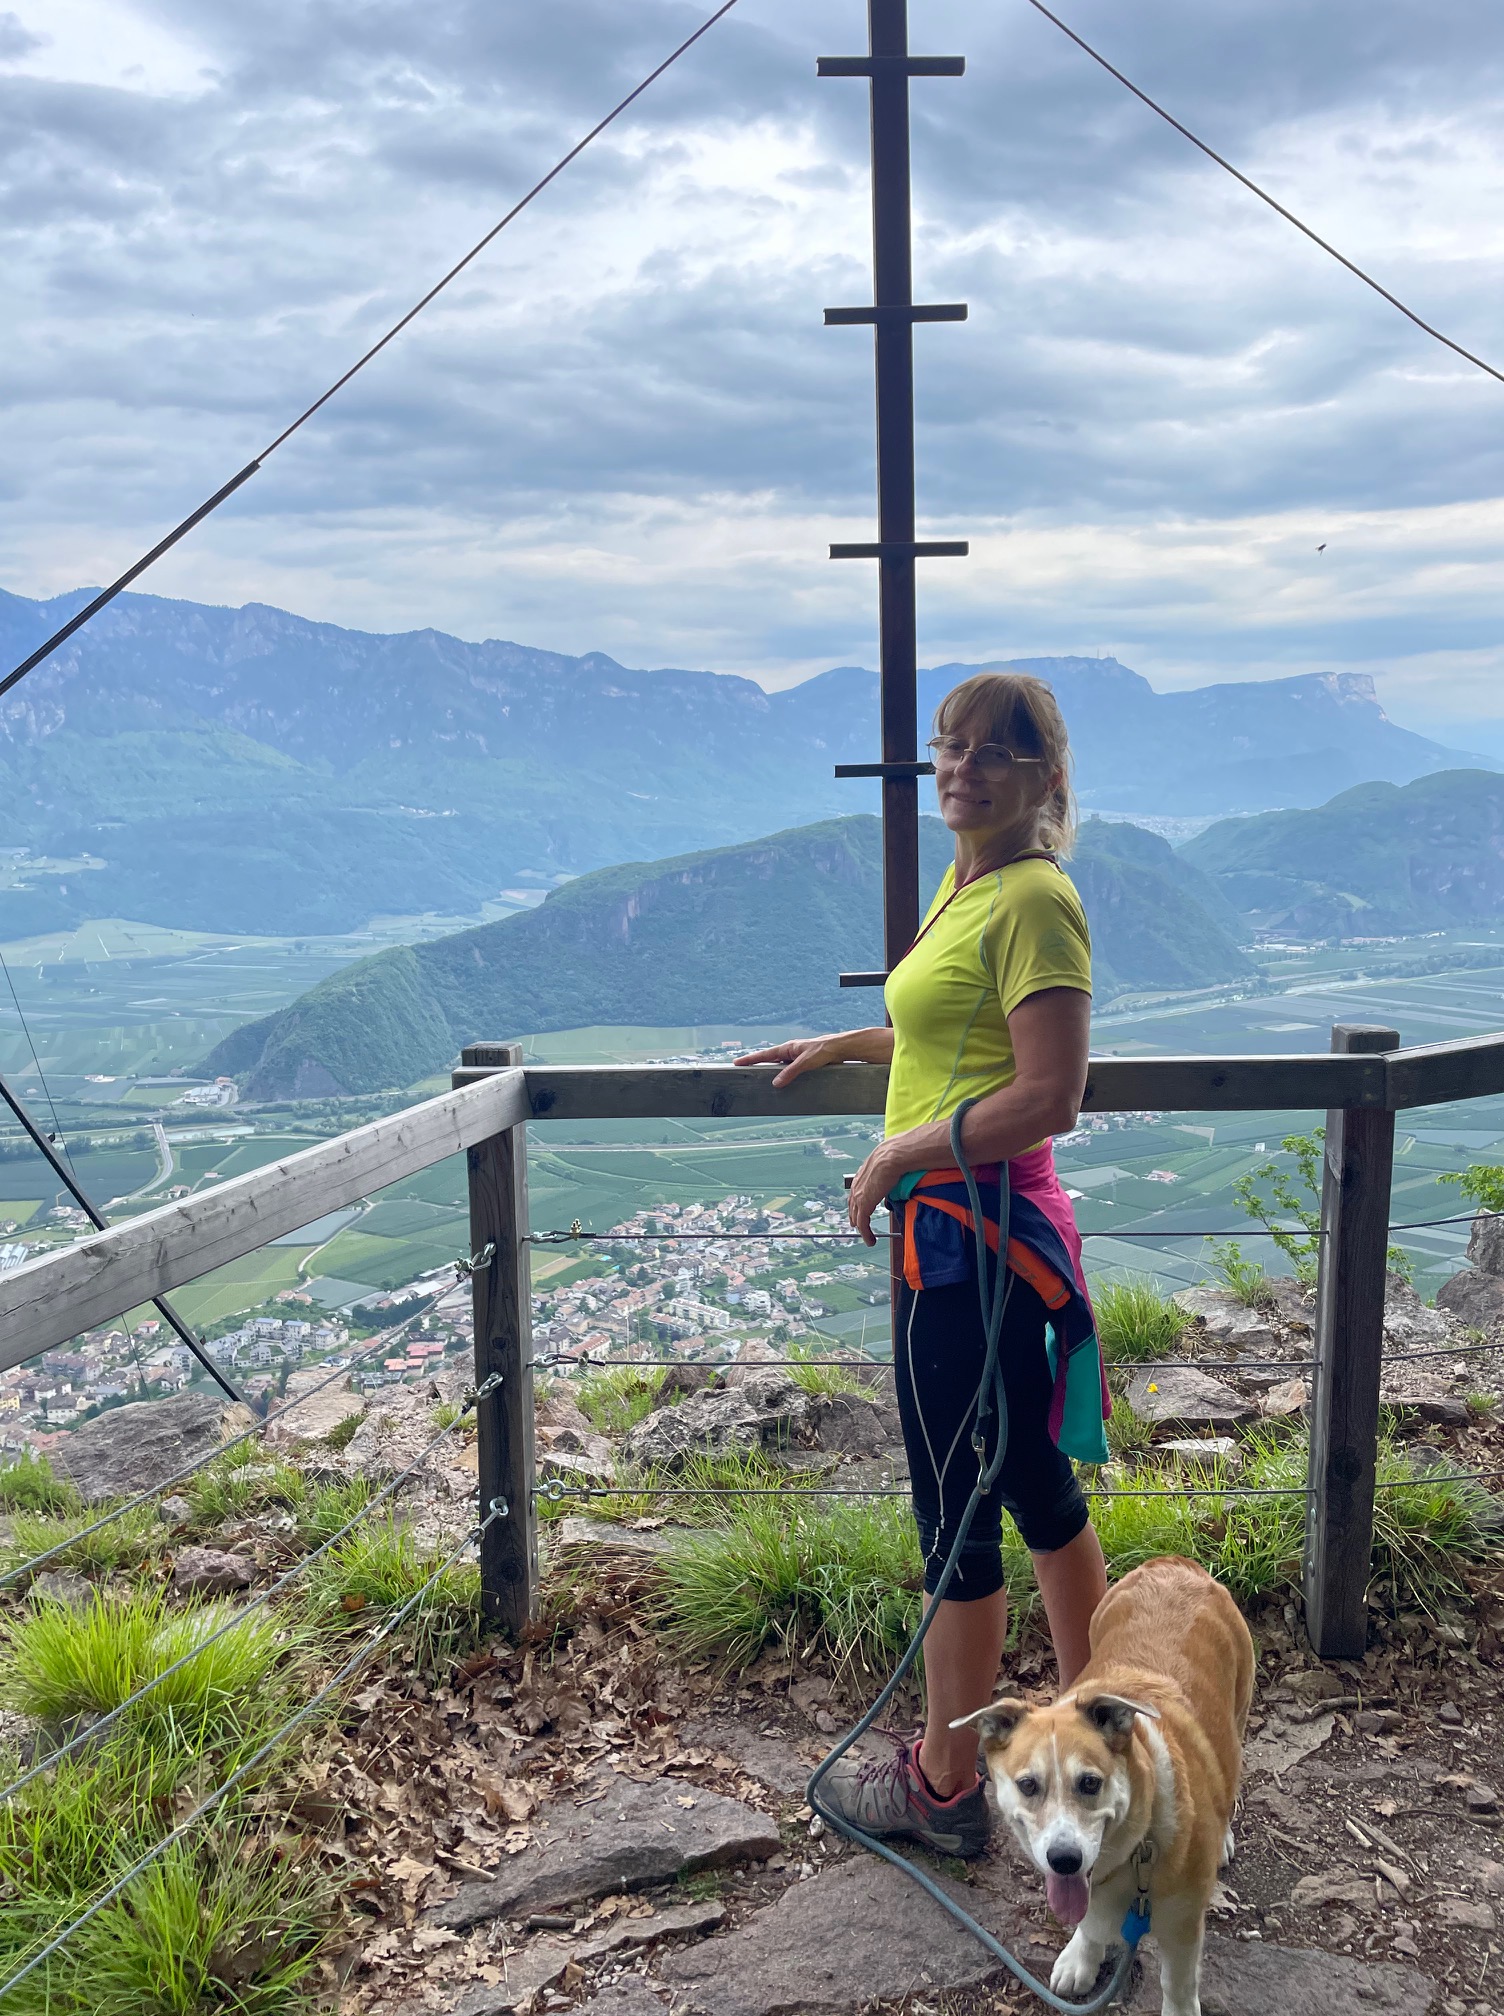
(1379, 860)
(247, 770)
(747, 934)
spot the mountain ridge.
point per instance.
(755, 933)
(331, 774)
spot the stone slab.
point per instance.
(631, 1996)
(863, 1932)
(1189, 1399)
(1254, 1978)
(632, 1836)
(539, 1965)
(138, 1447)
(859, 1933)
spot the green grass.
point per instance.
(125, 1542)
(704, 1489)
(379, 1567)
(240, 1484)
(1244, 1280)
(1134, 1321)
(807, 1369)
(325, 1510)
(1128, 1433)
(342, 1434)
(617, 1398)
(63, 1662)
(30, 1484)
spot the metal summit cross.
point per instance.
(889, 66)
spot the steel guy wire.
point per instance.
(210, 504)
(258, 1602)
(1264, 196)
(189, 1470)
(499, 1510)
(57, 1126)
(555, 1491)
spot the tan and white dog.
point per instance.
(1132, 1774)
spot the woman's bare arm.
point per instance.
(812, 1053)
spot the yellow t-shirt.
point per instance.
(1007, 935)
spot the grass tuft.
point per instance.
(342, 1434)
(125, 1542)
(618, 1397)
(817, 1376)
(241, 1484)
(1134, 1321)
(379, 1567)
(325, 1510)
(65, 1662)
(30, 1484)
(1244, 1280)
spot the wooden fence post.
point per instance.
(501, 1280)
(1356, 1175)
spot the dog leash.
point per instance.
(994, 1298)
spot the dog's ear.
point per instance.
(1112, 1715)
(996, 1723)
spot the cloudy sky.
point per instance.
(625, 429)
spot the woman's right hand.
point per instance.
(800, 1053)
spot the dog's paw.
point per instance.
(1229, 1849)
(1078, 1966)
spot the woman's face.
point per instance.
(977, 801)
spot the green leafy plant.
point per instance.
(1134, 1321)
(342, 1434)
(1299, 1199)
(1244, 1279)
(1482, 1185)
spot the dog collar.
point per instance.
(1136, 1922)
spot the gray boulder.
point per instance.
(1409, 1325)
(1474, 1298)
(766, 1411)
(852, 1424)
(1189, 1399)
(1485, 1246)
(210, 1571)
(139, 1447)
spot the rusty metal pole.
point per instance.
(888, 66)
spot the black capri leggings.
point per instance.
(938, 1355)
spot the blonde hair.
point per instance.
(1023, 714)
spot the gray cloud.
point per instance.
(626, 429)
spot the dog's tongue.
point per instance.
(1068, 1897)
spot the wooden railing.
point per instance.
(1361, 1085)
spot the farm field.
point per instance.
(1151, 1191)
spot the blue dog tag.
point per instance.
(1135, 1925)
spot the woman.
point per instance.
(991, 1004)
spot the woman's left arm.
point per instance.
(1051, 1033)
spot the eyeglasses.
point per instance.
(991, 758)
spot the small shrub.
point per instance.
(1244, 1279)
(618, 1397)
(1134, 1321)
(342, 1434)
(30, 1484)
(1482, 1185)
(1301, 1248)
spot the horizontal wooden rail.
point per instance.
(56, 1297)
(1115, 1085)
(1438, 1074)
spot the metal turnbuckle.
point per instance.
(476, 1262)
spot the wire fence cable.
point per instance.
(498, 1510)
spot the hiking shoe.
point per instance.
(888, 1797)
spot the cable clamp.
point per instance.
(477, 1261)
